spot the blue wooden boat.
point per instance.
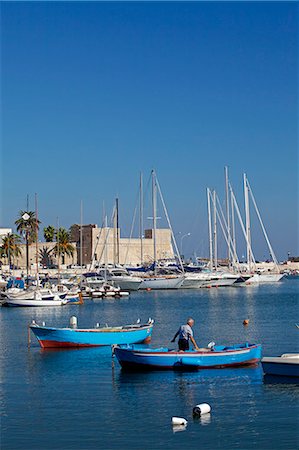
(286, 365)
(134, 358)
(49, 337)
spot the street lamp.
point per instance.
(184, 235)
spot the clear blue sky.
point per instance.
(94, 93)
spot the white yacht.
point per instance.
(121, 277)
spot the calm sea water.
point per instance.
(81, 399)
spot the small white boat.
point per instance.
(34, 296)
(286, 365)
(107, 290)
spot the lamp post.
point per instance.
(184, 235)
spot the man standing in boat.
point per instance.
(185, 334)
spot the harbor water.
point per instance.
(81, 399)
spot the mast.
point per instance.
(215, 229)
(210, 228)
(141, 216)
(105, 250)
(227, 212)
(58, 251)
(81, 234)
(117, 233)
(262, 226)
(233, 236)
(154, 203)
(247, 223)
(36, 241)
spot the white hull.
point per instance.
(43, 303)
(265, 278)
(127, 283)
(192, 282)
(219, 282)
(162, 282)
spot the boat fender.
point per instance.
(178, 421)
(199, 410)
(73, 322)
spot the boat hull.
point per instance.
(286, 367)
(68, 337)
(265, 278)
(161, 283)
(12, 302)
(149, 359)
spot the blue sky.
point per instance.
(93, 93)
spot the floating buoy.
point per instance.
(178, 421)
(246, 322)
(73, 322)
(148, 289)
(201, 409)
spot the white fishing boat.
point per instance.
(286, 365)
(34, 297)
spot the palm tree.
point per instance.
(10, 247)
(63, 246)
(49, 233)
(45, 256)
(28, 225)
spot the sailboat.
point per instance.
(155, 280)
(35, 295)
(259, 276)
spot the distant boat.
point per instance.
(121, 277)
(162, 358)
(36, 297)
(108, 290)
(286, 365)
(49, 337)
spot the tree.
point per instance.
(63, 246)
(10, 247)
(49, 233)
(45, 256)
(28, 225)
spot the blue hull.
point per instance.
(283, 369)
(68, 337)
(163, 358)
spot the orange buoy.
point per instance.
(246, 322)
(148, 289)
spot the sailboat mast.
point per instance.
(58, 251)
(215, 229)
(233, 227)
(154, 203)
(36, 240)
(141, 216)
(81, 234)
(210, 228)
(227, 213)
(117, 233)
(247, 223)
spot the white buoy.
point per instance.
(178, 421)
(43, 324)
(201, 409)
(73, 322)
